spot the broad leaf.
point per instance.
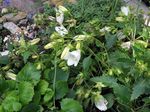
(26, 92)
(70, 105)
(48, 95)
(61, 89)
(87, 63)
(43, 86)
(29, 73)
(138, 89)
(122, 93)
(4, 60)
(60, 75)
(31, 108)
(107, 80)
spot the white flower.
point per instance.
(126, 45)
(105, 29)
(146, 20)
(101, 103)
(125, 10)
(72, 57)
(4, 53)
(61, 30)
(59, 16)
(5, 39)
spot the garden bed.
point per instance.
(90, 56)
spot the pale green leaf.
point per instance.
(70, 105)
(26, 92)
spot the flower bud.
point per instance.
(34, 56)
(49, 45)
(34, 41)
(63, 9)
(119, 19)
(65, 52)
(11, 75)
(78, 46)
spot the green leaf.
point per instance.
(48, 95)
(87, 62)
(36, 97)
(3, 86)
(31, 108)
(29, 73)
(4, 60)
(60, 75)
(11, 102)
(26, 92)
(138, 89)
(61, 89)
(26, 55)
(122, 93)
(43, 86)
(70, 105)
(110, 40)
(16, 106)
(110, 98)
(107, 80)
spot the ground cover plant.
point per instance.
(90, 56)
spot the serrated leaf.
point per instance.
(26, 55)
(61, 89)
(29, 73)
(138, 89)
(10, 100)
(110, 99)
(17, 106)
(60, 75)
(70, 105)
(4, 60)
(43, 86)
(48, 95)
(110, 40)
(107, 80)
(31, 108)
(26, 92)
(122, 93)
(87, 62)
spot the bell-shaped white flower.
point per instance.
(146, 20)
(59, 16)
(61, 30)
(126, 45)
(72, 57)
(4, 53)
(125, 10)
(101, 103)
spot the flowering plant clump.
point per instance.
(88, 58)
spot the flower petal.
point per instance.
(4, 53)
(125, 10)
(70, 62)
(61, 30)
(60, 17)
(101, 104)
(126, 45)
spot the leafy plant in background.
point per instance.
(80, 63)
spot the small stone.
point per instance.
(13, 28)
(9, 16)
(2, 19)
(19, 16)
(23, 22)
(4, 10)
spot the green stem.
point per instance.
(54, 80)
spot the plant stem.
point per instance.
(54, 80)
